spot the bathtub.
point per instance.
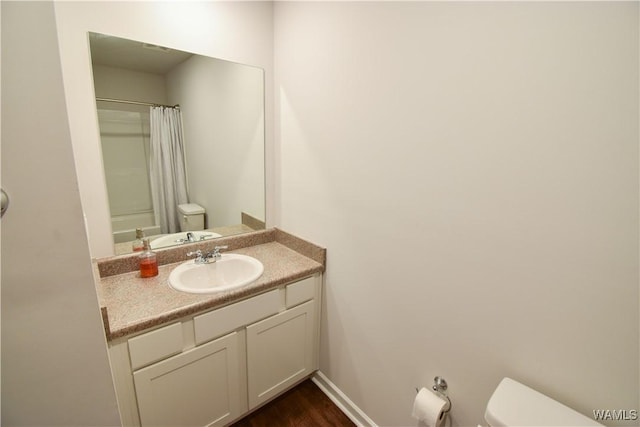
(124, 226)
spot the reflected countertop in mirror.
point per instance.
(231, 230)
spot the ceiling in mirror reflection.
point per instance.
(134, 55)
(222, 111)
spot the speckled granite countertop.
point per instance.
(131, 304)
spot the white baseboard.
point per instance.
(345, 404)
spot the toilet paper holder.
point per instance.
(439, 387)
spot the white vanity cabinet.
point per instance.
(212, 368)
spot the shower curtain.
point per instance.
(167, 167)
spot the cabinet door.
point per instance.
(199, 387)
(280, 352)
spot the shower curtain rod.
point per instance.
(149, 104)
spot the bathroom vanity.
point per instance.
(187, 359)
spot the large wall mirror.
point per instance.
(182, 140)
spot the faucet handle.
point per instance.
(216, 251)
(197, 254)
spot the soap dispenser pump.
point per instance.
(148, 261)
(138, 244)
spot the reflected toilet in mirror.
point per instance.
(192, 217)
(191, 228)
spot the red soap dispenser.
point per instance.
(148, 261)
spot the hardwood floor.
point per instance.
(303, 406)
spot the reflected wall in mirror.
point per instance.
(221, 105)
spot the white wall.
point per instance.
(235, 31)
(222, 107)
(55, 369)
(472, 169)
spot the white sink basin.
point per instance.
(229, 272)
(181, 238)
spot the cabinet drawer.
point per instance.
(218, 322)
(300, 292)
(155, 345)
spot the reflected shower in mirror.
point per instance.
(221, 136)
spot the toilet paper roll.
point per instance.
(429, 408)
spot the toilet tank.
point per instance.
(191, 217)
(515, 404)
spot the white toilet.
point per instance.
(192, 217)
(515, 404)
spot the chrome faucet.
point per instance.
(190, 237)
(207, 258)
